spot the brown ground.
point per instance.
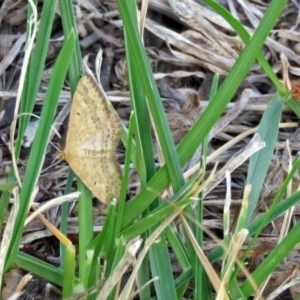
(186, 46)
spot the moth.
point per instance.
(92, 138)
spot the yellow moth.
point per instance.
(92, 138)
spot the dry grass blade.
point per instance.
(232, 114)
(7, 235)
(209, 58)
(126, 261)
(52, 203)
(14, 51)
(234, 247)
(255, 145)
(214, 279)
(106, 288)
(126, 292)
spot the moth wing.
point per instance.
(90, 116)
(105, 140)
(102, 176)
(92, 138)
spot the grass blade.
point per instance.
(37, 153)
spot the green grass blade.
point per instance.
(97, 245)
(64, 218)
(272, 214)
(212, 113)
(125, 181)
(119, 252)
(160, 268)
(245, 36)
(260, 161)
(202, 288)
(150, 221)
(154, 101)
(69, 25)
(40, 268)
(69, 271)
(85, 219)
(143, 134)
(278, 210)
(37, 153)
(272, 261)
(36, 67)
(8, 186)
(160, 264)
(109, 250)
(32, 83)
(231, 83)
(294, 105)
(145, 164)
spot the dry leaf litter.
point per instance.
(186, 43)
